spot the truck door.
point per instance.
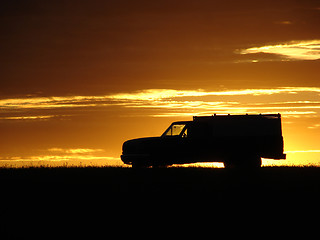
(175, 143)
(200, 140)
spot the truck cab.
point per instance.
(235, 140)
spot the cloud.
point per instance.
(314, 126)
(93, 157)
(75, 150)
(143, 95)
(40, 117)
(304, 151)
(152, 94)
(170, 102)
(174, 103)
(51, 102)
(295, 50)
(285, 22)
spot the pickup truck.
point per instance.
(239, 141)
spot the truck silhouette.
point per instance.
(236, 140)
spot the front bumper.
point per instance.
(276, 157)
(282, 156)
(129, 158)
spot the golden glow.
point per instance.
(295, 50)
(79, 79)
(75, 150)
(304, 151)
(144, 95)
(152, 94)
(62, 157)
(41, 117)
(299, 106)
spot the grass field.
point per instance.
(37, 200)
(269, 181)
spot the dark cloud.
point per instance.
(79, 47)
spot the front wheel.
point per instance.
(139, 165)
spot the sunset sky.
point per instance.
(78, 77)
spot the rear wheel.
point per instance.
(253, 162)
(247, 162)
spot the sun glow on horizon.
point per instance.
(299, 106)
(63, 157)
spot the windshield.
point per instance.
(174, 129)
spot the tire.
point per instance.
(246, 162)
(254, 162)
(159, 166)
(158, 162)
(138, 165)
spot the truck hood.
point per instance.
(140, 145)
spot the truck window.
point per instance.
(175, 130)
(185, 133)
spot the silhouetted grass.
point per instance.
(54, 200)
(278, 180)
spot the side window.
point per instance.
(175, 130)
(185, 133)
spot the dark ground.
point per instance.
(36, 202)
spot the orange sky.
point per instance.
(80, 77)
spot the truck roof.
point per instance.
(242, 125)
(246, 116)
